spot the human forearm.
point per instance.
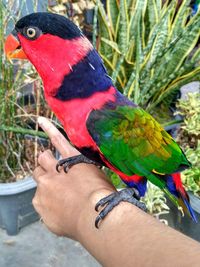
(129, 237)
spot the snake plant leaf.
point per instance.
(104, 30)
(192, 76)
(147, 45)
(137, 65)
(161, 39)
(113, 13)
(111, 68)
(130, 4)
(159, 5)
(183, 48)
(123, 33)
(180, 19)
(152, 12)
(117, 68)
(165, 17)
(196, 56)
(135, 15)
(112, 44)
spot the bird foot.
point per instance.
(130, 195)
(67, 163)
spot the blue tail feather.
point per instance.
(191, 211)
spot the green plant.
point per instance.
(191, 177)
(146, 46)
(188, 137)
(155, 201)
(190, 109)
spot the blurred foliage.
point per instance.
(189, 139)
(155, 201)
(191, 177)
(114, 178)
(190, 109)
(149, 48)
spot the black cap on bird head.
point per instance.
(51, 23)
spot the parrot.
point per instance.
(107, 128)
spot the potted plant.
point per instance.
(146, 47)
(18, 152)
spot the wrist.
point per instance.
(114, 220)
(86, 220)
(111, 229)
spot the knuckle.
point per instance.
(43, 156)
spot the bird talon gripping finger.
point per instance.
(112, 200)
(67, 163)
(105, 126)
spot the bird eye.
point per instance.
(31, 32)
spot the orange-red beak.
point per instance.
(13, 48)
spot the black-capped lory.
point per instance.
(106, 127)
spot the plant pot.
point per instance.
(185, 224)
(16, 209)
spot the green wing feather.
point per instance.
(133, 142)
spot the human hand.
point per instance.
(61, 199)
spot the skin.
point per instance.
(127, 236)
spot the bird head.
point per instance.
(51, 42)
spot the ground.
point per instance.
(35, 246)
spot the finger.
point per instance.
(47, 161)
(39, 171)
(57, 139)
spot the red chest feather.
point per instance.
(73, 114)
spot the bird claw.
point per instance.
(97, 220)
(66, 168)
(69, 162)
(130, 195)
(104, 201)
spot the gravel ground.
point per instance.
(35, 246)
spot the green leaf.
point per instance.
(192, 76)
(161, 39)
(123, 33)
(183, 48)
(111, 44)
(137, 66)
(113, 13)
(105, 30)
(152, 12)
(180, 19)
